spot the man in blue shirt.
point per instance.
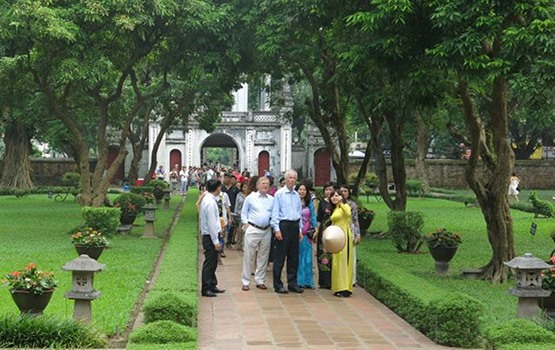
(286, 216)
(210, 228)
(255, 217)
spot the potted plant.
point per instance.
(31, 288)
(159, 186)
(365, 218)
(547, 304)
(443, 245)
(89, 241)
(130, 204)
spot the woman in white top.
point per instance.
(513, 187)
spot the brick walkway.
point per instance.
(262, 319)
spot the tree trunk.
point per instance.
(17, 165)
(422, 133)
(490, 188)
(138, 140)
(398, 168)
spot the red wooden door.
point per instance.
(263, 162)
(322, 167)
(175, 158)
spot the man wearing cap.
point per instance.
(255, 217)
(286, 216)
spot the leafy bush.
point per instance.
(71, 179)
(142, 189)
(18, 192)
(414, 187)
(130, 203)
(47, 332)
(163, 332)
(104, 220)
(405, 229)
(519, 331)
(169, 306)
(452, 317)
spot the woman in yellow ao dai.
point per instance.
(342, 262)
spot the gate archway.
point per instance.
(219, 143)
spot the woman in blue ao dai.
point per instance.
(305, 274)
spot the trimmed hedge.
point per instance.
(47, 332)
(517, 333)
(163, 332)
(104, 219)
(451, 319)
(170, 306)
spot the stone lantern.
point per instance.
(150, 216)
(528, 270)
(83, 292)
(167, 196)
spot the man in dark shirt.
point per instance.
(232, 191)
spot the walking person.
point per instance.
(184, 178)
(342, 261)
(286, 215)
(513, 187)
(210, 228)
(239, 201)
(255, 217)
(305, 274)
(355, 227)
(323, 257)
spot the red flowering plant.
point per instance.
(30, 279)
(443, 238)
(548, 281)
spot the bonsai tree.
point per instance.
(130, 204)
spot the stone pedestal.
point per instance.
(124, 229)
(166, 203)
(149, 229)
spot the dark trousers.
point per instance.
(287, 248)
(209, 265)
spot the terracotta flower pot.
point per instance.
(92, 252)
(29, 303)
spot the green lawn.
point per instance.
(474, 252)
(35, 228)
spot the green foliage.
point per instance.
(31, 279)
(414, 187)
(47, 332)
(443, 238)
(454, 320)
(447, 318)
(170, 306)
(18, 192)
(130, 203)
(105, 220)
(405, 228)
(158, 183)
(541, 207)
(520, 331)
(71, 179)
(163, 332)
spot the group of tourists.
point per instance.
(278, 225)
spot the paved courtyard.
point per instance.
(262, 319)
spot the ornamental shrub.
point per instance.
(519, 331)
(455, 320)
(405, 229)
(169, 306)
(47, 332)
(105, 220)
(163, 332)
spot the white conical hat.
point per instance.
(333, 239)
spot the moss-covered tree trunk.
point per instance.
(17, 165)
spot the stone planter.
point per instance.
(92, 252)
(29, 303)
(442, 256)
(364, 223)
(127, 219)
(547, 305)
